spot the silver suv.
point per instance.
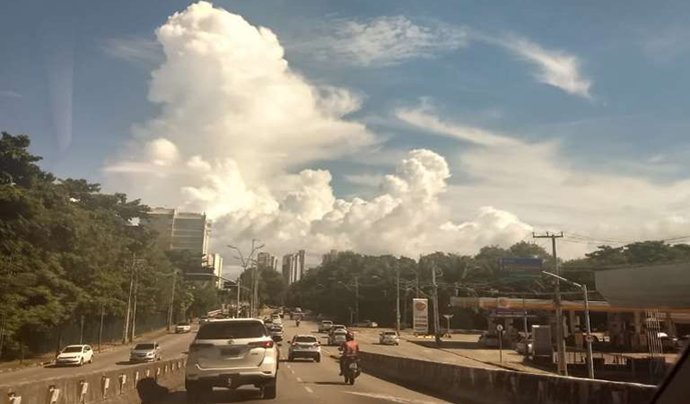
(231, 353)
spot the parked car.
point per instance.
(337, 337)
(145, 352)
(75, 355)
(668, 343)
(183, 327)
(232, 353)
(325, 325)
(304, 346)
(389, 338)
(524, 346)
(488, 340)
(204, 319)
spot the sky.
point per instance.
(398, 127)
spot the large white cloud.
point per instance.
(234, 124)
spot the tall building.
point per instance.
(293, 267)
(216, 262)
(330, 256)
(180, 230)
(267, 260)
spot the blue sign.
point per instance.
(520, 269)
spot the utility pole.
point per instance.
(172, 301)
(560, 337)
(125, 331)
(81, 330)
(134, 309)
(100, 328)
(356, 299)
(437, 324)
(397, 299)
(239, 286)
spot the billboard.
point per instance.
(420, 316)
(517, 268)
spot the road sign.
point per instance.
(589, 338)
(420, 316)
(228, 285)
(499, 328)
(448, 316)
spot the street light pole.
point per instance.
(590, 362)
(172, 302)
(397, 299)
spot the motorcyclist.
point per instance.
(350, 349)
(297, 319)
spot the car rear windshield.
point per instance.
(183, 324)
(71, 349)
(144, 346)
(389, 333)
(305, 339)
(234, 329)
(326, 322)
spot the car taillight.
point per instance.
(197, 347)
(261, 344)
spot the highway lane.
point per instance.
(172, 345)
(309, 382)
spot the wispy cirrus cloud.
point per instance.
(145, 52)
(10, 94)
(387, 40)
(556, 68)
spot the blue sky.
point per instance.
(605, 83)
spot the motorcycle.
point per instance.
(352, 370)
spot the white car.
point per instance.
(75, 355)
(231, 353)
(337, 337)
(389, 338)
(145, 352)
(182, 328)
(304, 346)
(325, 325)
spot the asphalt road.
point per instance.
(310, 382)
(172, 345)
(299, 381)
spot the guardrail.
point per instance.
(119, 385)
(477, 385)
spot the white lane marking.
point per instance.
(392, 399)
(292, 371)
(299, 379)
(308, 389)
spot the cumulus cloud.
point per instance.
(235, 130)
(555, 67)
(386, 40)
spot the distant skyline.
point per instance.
(381, 127)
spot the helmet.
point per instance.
(350, 336)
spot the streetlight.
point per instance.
(590, 364)
(245, 264)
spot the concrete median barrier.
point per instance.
(476, 385)
(130, 384)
